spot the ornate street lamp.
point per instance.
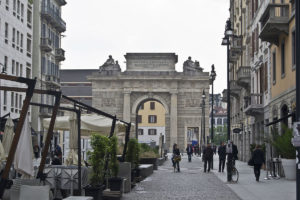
(212, 78)
(226, 42)
(203, 114)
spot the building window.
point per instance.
(5, 63)
(152, 105)
(20, 101)
(294, 49)
(5, 98)
(21, 70)
(17, 69)
(139, 118)
(274, 66)
(13, 67)
(141, 131)
(142, 106)
(28, 45)
(151, 131)
(282, 59)
(152, 118)
(6, 33)
(29, 18)
(219, 121)
(13, 37)
(225, 121)
(12, 100)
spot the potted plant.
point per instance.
(114, 182)
(284, 147)
(149, 155)
(132, 156)
(96, 159)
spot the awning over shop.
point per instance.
(90, 123)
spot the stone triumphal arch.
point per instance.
(152, 76)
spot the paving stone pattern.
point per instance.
(191, 183)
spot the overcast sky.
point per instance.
(98, 28)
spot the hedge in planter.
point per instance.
(115, 182)
(133, 156)
(96, 159)
(284, 147)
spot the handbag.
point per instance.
(177, 158)
(251, 162)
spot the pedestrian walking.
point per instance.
(208, 154)
(189, 151)
(258, 158)
(222, 156)
(176, 158)
(234, 153)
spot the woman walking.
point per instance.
(176, 158)
(258, 158)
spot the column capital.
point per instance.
(173, 91)
(127, 91)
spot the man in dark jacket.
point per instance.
(258, 157)
(222, 156)
(189, 151)
(234, 153)
(208, 154)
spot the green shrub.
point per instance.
(147, 151)
(113, 160)
(253, 146)
(282, 143)
(100, 145)
(133, 153)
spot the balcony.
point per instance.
(253, 105)
(46, 44)
(235, 90)
(236, 45)
(61, 2)
(45, 112)
(59, 54)
(274, 21)
(52, 81)
(244, 76)
(233, 56)
(54, 18)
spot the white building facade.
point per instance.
(16, 32)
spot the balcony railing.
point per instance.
(274, 21)
(61, 2)
(224, 98)
(59, 54)
(54, 18)
(235, 90)
(244, 76)
(236, 45)
(253, 105)
(46, 44)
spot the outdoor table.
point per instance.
(65, 177)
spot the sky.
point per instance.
(98, 28)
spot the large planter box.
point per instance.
(95, 192)
(152, 161)
(146, 170)
(160, 161)
(289, 168)
(125, 172)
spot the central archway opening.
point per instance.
(151, 123)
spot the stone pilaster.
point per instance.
(126, 105)
(173, 119)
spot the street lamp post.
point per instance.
(212, 77)
(203, 113)
(296, 139)
(226, 42)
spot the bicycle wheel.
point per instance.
(235, 175)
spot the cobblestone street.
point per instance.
(190, 183)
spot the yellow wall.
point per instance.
(159, 111)
(289, 80)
